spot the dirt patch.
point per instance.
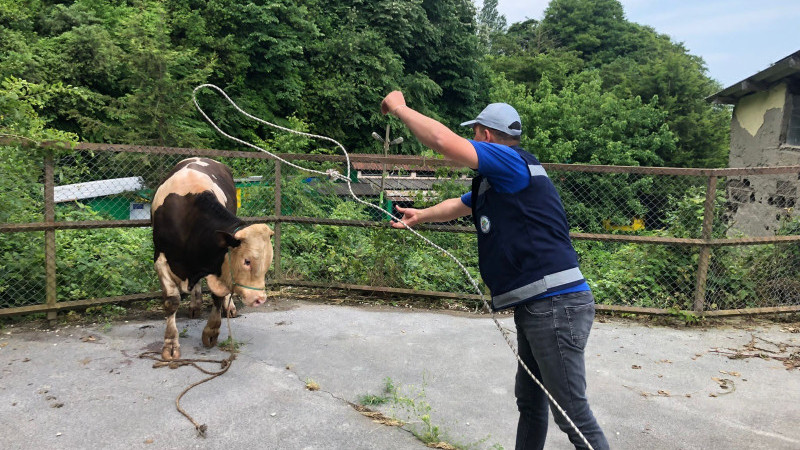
(376, 416)
(758, 347)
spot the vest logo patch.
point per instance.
(485, 224)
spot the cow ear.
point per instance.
(225, 239)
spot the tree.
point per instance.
(679, 80)
(351, 72)
(597, 29)
(20, 104)
(582, 124)
(634, 61)
(491, 23)
(453, 58)
(159, 80)
(429, 49)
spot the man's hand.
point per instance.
(392, 102)
(410, 217)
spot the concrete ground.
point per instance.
(651, 387)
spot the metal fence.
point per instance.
(74, 229)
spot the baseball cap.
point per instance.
(499, 116)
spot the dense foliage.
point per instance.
(591, 87)
(133, 65)
(126, 70)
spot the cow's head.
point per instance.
(250, 256)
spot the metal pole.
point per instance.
(705, 249)
(277, 236)
(386, 144)
(50, 236)
(385, 153)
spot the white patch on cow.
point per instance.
(217, 286)
(187, 181)
(196, 160)
(171, 283)
(220, 195)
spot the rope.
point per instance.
(174, 364)
(333, 174)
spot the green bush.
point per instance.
(104, 262)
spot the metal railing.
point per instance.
(651, 240)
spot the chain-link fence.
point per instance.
(75, 230)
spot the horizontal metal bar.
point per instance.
(408, 159)
(381, 289)
(632, 310)
(389, 290)
(679, 171)
(76, 225)
(718, 313)
(598, 306)
(660, 240)
(637, 239)
(752, 311)
(685, 242)
(77, 304)
(397, 159)
(435, 162)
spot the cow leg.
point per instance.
(229, 306)
(172, 348)
(172, 299)
(211, 331)
(196, 301)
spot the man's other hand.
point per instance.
(410, 217)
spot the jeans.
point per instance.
(551, 337)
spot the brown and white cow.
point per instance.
(197, 235)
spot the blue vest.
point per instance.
(524, 249)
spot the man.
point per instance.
(526, 259)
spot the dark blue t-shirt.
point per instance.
(508, 173)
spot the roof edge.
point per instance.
(759, 82)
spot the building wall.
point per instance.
(757, 203)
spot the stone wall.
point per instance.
(757, 203)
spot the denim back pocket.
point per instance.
(580, 320)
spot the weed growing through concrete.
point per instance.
(411, 404)
(389, 391)
(311, 385)
(231, 345)
(106, 314)
(688, 317)
(415, 405)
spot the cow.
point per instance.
(197, 235)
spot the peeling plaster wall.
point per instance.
(751, 110)
(758, 202)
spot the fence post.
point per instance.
(277, 236)
(50, 235)
(705, 250)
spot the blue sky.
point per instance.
(736, 38)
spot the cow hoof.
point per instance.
(210, 337)
(170, 352)
(194, 313)
(231, 313)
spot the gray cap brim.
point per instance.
(499, 116)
